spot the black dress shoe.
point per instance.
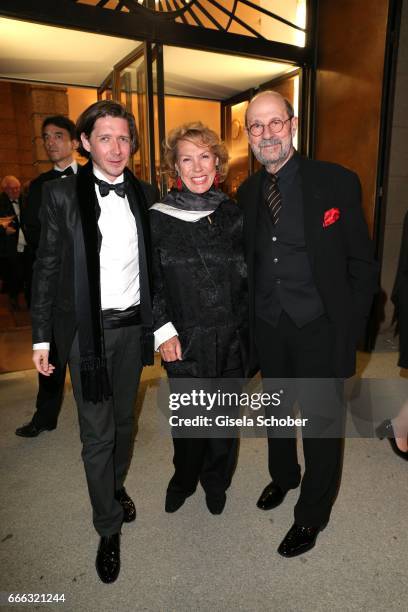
(216, 503)
(129, 510)
(31, 431)
(386, 430)
(174, 501)
(299, 540)
(271, 497)
(108, 558)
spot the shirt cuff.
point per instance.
(165, 332)
(41, 345)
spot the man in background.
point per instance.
(13, 245)
(59, 138)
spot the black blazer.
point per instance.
(341, 255)
(53, 296)
(200, 285)
(400, 297)
(33, 205)
(8, 242)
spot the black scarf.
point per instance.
(187, 200)
(94, 375)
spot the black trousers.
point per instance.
(106, 428)
(49, 398)
(287, 351)
(18, 274)
(211, 460)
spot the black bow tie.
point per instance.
(66, 172)
(105, 188)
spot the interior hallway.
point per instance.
(192, 560)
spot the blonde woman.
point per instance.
(200, 303)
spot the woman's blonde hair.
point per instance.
(201, 135)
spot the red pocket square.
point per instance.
(331, 216)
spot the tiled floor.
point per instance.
(15, 336)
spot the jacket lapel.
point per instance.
(138, 204)
(87, 233)
(253, 198)
(312, 208)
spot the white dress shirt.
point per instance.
(73, 165)
(21, 241)
(119, 254)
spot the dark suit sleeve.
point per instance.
(46, 269)
(151, 193)
(362, 267)
(32, 214)
(160, 315)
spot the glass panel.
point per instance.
(258, 19)
(237, 143)
(105, 91)
(132, 94)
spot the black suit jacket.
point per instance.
(8, 242)
(341, 255)
(32, 209)
(53, 297)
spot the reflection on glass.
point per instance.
(237, 143)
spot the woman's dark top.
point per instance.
(200, 285)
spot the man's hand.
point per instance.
(171, 349)
(40, 359)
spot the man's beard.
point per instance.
(282, 155)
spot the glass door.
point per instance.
(139, 86)
(242, 161)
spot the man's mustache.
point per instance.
(268, 142)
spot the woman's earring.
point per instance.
(179, 183)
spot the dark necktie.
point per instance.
(105, 188)
(65, 172)
(273, 197)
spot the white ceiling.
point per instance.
(214, 75)
(36, 52)
(55, 55)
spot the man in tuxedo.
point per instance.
(14, 255)
(59, 139)
(312, 277)
(91, 292)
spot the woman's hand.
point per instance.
(171, 349)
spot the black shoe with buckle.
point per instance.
(108, 558)
(271, 497)
(386, 430)
(29, 430)
(299, 540)
(129, 510)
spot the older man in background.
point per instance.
(15, 267)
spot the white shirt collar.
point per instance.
(73, 165)
(102, 177)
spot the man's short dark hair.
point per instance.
(105, 108)
(62, 122)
